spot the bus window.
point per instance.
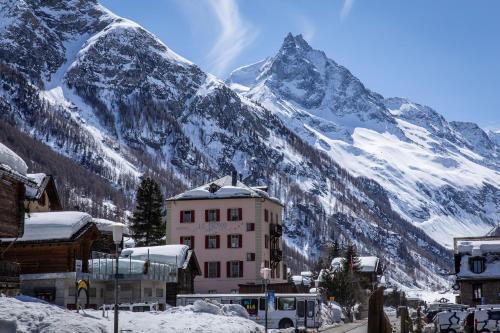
(262, 304)
(250, 304)
(310, 309)
(286, 303)
(301, 311)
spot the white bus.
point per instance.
(290, 310)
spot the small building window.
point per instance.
(212, 215)
(266, 215)
(148, 292)
(266, 241)
(234, 241)
(477, 265)
(234, 269)
(250, 256)
(477, 292)
(187, 240)
(250, 226)
(187, 216)
(212, 269)
(212, 241)
(234, 214)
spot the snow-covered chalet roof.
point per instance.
(225, 190)
(107, 226)
(53, 226)
(11, 161)
(35, 190)
(478, 246)
(487, 248)
(166, 254)
(366, 264)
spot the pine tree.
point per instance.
(147, 223)
(351, 262)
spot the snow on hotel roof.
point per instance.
(165, 254)
(107, 226)
(53, 226)
(486, 247)
(224, 190)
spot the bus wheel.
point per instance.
(285, 323)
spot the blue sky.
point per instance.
(445, 54)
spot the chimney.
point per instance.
(234, 178)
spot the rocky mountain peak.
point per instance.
(294, 44)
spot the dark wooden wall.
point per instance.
(11, 207)
(52, 257)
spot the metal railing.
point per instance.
(103, 267)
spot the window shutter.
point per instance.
(229, 214)
(206, 269)
(240, 241)
(228, 241)
(217, 241)
(218, 269)
(240, 214)
(206, 215)
(182, 240)
(218, 215)
(192, 216)
(182, 216)
(241, 268)
(228, 269)
(192, 242)
(206, 242)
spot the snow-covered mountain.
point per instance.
(441, 176)
(108, 94)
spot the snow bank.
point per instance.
(26, 317)
(12, 161)
(165, 254)
(53, 225)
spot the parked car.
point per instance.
(435, 308)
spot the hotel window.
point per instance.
(187, 240)
(234, 241)
(187, 216)
(148, 292)
(266, 263)
(250, 226)
(477, 292)
(266, 241)
(212, 215)
(250, 256)
(212, 242)
(234, 269)
(212, 269)
(234, 214)
(266, 215)
(477, 265)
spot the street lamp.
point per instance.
(117, 239)
(265, 273)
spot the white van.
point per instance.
(449, 321)
(487, 320)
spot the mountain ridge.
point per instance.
(117, 101)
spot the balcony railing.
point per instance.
(105, 269)
(276, 230)
(276, 255)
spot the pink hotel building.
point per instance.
(233, 229)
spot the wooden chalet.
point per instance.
(13, 183)
(43, 195)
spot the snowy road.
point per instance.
(357, 327)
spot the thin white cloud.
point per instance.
(346, 9)
(235, 35)
(307, 28)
